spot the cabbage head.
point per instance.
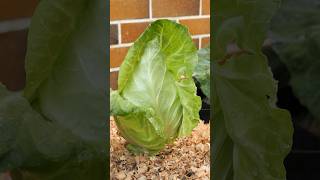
(156, 100)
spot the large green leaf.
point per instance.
(156, 100)
(296, 35)
(66, 68)
(251, 136)
(73, 91)
(26, 138)
(36, 149)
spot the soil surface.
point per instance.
(5, 176)
(186, 158)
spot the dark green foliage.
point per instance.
(251, 136)
(296, 35)
(57, 128)
(202, 71)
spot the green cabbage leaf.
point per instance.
(56, 128)
(156, 99)
(202, 71)
(251, 135)
(296, 36)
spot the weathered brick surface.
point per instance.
(197, 26)
(117, 55)
(113, 80)
(170, 8)
(114, 34)
(13, 9)
(196, 42)
(12, 56)
(205, 41)
(205, 7)
(129, 9)
(131, 31)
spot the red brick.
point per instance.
(129, 9)
(205, 41)
(114, 34)
(205, 7)
(13, 9)
(171, 8)
(197, 26)
(12, 56)
(114, 80)
(131, 31)
(196, 42)
(117, 55)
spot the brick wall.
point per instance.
(14, 21)
(129, 18)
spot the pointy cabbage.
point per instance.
(156, 99)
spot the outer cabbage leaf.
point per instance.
(65, 134)
(202, 71)
(251, 136)
(296, 36)
(156, 100)
(37, 149)
(23, 129)
(74, 90)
